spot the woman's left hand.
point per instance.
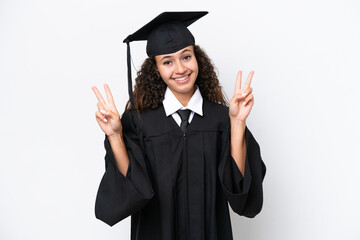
(241, 103)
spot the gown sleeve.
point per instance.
(119, 196)
(244, 193)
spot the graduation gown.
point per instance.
(178, 185)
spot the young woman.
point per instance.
(179, 155)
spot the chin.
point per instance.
(188, 89)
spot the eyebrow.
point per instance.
(186, 50)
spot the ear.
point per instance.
(155, 64)
(157, 71)
(155, 67)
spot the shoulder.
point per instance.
(148, 120)
(215, 110)
(128, 121)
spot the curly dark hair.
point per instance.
(150, 89)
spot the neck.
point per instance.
(184, 98)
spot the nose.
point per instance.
(180, 68)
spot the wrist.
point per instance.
(116, 137)
(238, 124)
(237, 130)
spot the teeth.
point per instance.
(180, 79)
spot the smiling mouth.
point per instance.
(182, 79)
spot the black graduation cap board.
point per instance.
(167, 33)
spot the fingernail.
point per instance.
(102, 111)
(105, 120)
(244, 94)
(244, 103)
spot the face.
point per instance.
(179, 71)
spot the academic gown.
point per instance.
(178, 185)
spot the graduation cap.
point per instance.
(165, 34)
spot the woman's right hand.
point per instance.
(107, 115)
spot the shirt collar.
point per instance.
(172, 104)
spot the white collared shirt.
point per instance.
(172, 104)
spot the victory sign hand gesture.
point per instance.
(107, 117)
(241, 103)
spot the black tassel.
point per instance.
(131, 97)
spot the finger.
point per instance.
(237, 98)
(248, 99)
(100, 106)
(108, 94)
(248, 80)
(238, 83)
(108, 114)
(100, 116)
(98, 95)
(247, 91)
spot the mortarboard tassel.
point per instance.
(131, 97)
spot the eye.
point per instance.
(187, 57)
(167, 63)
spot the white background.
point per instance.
(306, 58)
